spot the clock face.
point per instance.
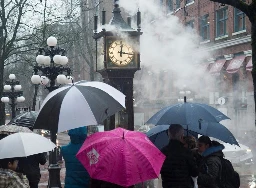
(120, 53)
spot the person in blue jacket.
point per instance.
(76, 174)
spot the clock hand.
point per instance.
(121, 51)
(127, 53)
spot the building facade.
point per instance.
(225, 33)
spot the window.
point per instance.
(177, 4)
(205, 27)
(170, 5)
(190, 24)
(221, 22)
(239, 20)
(189, 1)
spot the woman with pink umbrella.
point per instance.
(120, 157)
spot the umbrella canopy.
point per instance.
(190, 115)
(7, 129)
(26, 119)
(121, 157)
(158, 135)
(23, 145)
(79, 104)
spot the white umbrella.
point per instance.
(23, 145)
(80, 104)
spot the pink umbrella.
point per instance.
(121, 157)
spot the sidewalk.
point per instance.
(45, 175)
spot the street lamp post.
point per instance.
(185, 95)
(52, 64)
(12, 92)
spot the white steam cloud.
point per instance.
(167, 45)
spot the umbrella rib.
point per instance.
(139, 149)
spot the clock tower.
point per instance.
(117, 60)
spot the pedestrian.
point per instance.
(9, 178)
(210, 166)
(30, 167)
(76, 174)
(179, 165)
(189, 142)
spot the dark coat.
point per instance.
(103, 184)
(76, 174)
(178, 166)
(210, 167)
(30, 166)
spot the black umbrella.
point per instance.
(26, 119)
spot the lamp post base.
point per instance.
(54, 176)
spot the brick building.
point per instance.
(225, 33)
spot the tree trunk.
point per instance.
(2, 105)
(253, 34)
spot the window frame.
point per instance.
(223, 20)
(205, 25)
(178, 4)
(190, 23)
(168, 3)
(237, 14)
(189, 1)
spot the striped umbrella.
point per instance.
(79, 104)
(26, 119)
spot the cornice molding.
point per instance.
(248, 53)
(226, 43)
(229, 56)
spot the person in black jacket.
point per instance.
(210, 166)
(30, 167)
(179, 164)
(104, 184)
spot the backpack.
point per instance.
(229, 178)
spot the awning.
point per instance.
(249, 65)
(235, 64)
(217, 66)
(202, 67)
(205, 66)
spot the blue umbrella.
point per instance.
(158, 134)
(190, 115)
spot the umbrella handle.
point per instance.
(200, 123)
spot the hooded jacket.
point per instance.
(76, 174)
(210, 167)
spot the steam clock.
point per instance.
(117, 60)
